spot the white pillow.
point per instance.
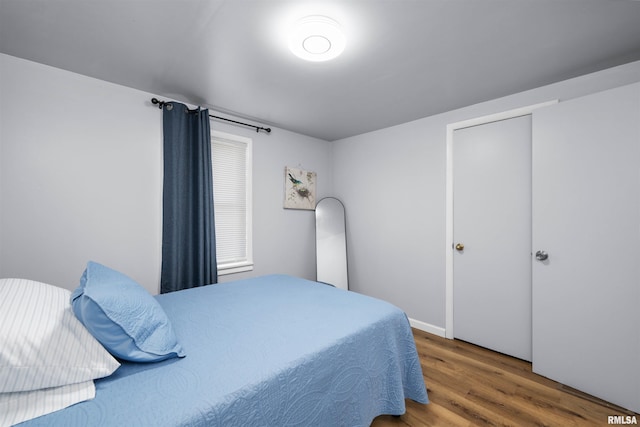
(25, 405)
(42, 343)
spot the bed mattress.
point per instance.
(269, 351)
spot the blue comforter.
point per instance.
(269, 351)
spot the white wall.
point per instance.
(80, 176)
(81, 179)
(392, 183)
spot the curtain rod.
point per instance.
(257, 128)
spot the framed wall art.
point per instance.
(299, 189)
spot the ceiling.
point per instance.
(405, 59)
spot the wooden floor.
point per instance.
(472, 386)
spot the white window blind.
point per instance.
(231, 162)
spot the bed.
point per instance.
(268, 351)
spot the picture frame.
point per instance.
(299, 189)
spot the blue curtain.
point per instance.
(188, 227)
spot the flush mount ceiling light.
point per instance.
(317, 38)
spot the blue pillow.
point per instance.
(123, 316)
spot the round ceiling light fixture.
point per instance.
(317, 38)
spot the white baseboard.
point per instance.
(426, 327)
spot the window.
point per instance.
(231, 160)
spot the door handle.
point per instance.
(459, 247)
(542, 255)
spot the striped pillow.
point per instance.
(25, 405)
(42, 343)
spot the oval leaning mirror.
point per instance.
(331, 243)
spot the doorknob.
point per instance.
(541, 255)
(459, 247)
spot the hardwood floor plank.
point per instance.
(472, 386)
(492, 386)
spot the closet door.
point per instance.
(586, 218)
(492, 235)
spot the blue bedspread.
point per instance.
(269, 351)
